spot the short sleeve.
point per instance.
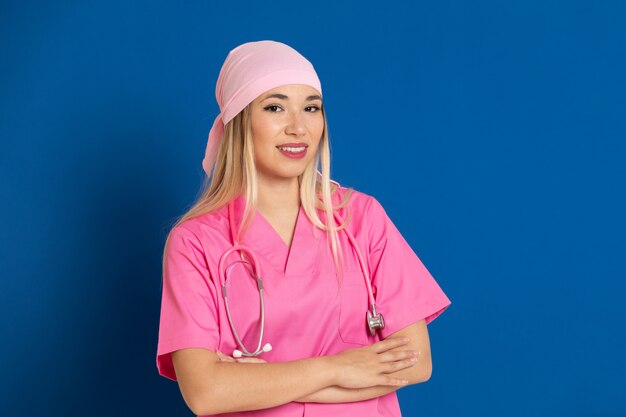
(189, 316)
(404, 289)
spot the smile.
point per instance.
(294, 152)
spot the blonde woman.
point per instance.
(284, 293)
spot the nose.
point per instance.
(295, 125)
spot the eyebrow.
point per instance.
(284, 97)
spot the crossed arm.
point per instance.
(420, 372)
(211, 385)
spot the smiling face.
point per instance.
(287, 125)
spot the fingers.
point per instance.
(389, 343)
(398, 355)
(394, 382)
(226, 358)
(395, 366)
(251, 360)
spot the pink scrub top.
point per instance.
(307, 313)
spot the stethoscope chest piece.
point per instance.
(375, 321)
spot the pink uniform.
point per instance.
(307, 313)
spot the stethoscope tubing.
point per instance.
(256, 274)
(364, 268)
(255, 270)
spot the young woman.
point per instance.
(284, 292)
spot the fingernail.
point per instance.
(405, 339)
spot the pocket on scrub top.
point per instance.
(354, 303)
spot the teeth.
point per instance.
(294, 150)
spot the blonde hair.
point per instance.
(235, 173)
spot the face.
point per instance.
(287, 125)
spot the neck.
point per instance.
(278, 196)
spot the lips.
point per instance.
(293, 150)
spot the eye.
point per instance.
(272, 108)
(314, 109)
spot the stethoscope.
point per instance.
(374, 319)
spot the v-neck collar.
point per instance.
(295, 260)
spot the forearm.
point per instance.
(337, 394)
(255, 386)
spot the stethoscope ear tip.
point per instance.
(237, 353)
(267, 347)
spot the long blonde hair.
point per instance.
(235, 173)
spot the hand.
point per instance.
(368, 366)
(225, 358)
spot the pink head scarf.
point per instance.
(248, 71)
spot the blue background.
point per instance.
(492, 132)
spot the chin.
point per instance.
(285, 174)
(290, 174)
(283, 171)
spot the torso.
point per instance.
(306, 312)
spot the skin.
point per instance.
(292, 116)
(290, 113)
(211, 382)
(418, 347)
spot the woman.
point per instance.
(311, 342)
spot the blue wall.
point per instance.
(492, 132)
